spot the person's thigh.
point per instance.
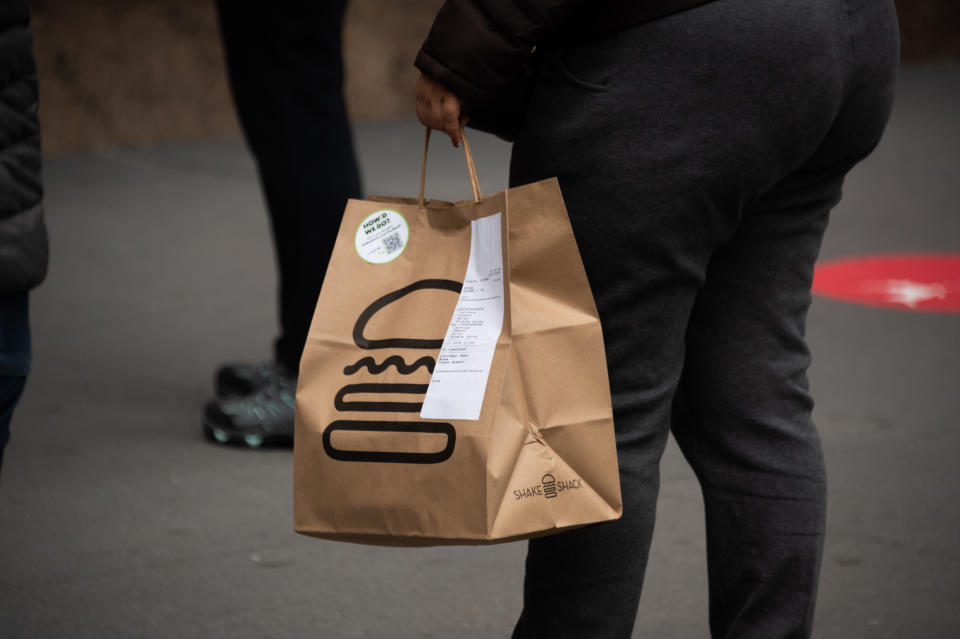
(662, 137)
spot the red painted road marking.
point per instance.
(913, 282)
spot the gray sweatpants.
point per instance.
(699, 157)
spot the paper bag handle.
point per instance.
(471, 167)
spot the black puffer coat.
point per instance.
(481, 49)
(23, 237)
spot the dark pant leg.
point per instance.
(14, 358)
(742, 414)
(645, 231)
(662, 137)
(286, 72)
(11, 387)
(742, 418)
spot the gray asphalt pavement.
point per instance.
(117, 519)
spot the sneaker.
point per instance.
(240, 380)
(263, 417)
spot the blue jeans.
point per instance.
(14, 359)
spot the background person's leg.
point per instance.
(14, 358)
(286, 73)
(11, 387)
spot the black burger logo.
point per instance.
(343, 401)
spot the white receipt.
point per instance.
(460, 376)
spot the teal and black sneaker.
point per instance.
(240, 380)
(264, 417)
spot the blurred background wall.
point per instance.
(145, 72)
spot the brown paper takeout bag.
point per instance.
(453, 388)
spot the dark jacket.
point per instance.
(23, 237)
(481, 49)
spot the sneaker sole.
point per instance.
(259, 439)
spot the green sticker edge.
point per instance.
(399, 253)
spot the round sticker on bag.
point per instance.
(382, 236)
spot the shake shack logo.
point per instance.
(370, 395)
(548, 488)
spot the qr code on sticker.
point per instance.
(392, 243)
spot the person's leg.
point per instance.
(645, 228)
(662, 136)
(742, 414)
(742, 417)
(11, 387)
(286, 72)
(14, 358)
